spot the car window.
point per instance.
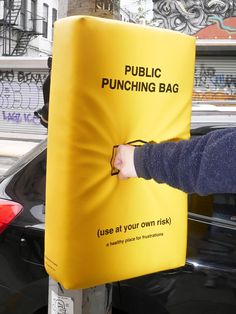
(26, 158)
(217, 209)
(27, 186)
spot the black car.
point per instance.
(205, 285)
(23, 279)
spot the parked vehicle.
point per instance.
(206, 284)
(23, 279)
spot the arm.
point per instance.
(202, 165)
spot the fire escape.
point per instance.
(16, 31)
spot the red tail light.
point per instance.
(8, 211)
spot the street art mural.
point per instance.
(205, 19)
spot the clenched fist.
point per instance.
(124, 162)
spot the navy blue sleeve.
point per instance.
(202, 165)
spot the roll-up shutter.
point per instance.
(20, 95)
(215, 79)
(214, 95)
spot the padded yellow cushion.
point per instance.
(112, 83)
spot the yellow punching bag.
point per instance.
(113, 83)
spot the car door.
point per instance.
(207, 284)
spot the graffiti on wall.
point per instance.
(206, 77)
(213, 84)
(201, 18)
(20, 95)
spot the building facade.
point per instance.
(26, 37)
(26, 31)
(26, 26)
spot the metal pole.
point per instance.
(11, 3)
(96, 300)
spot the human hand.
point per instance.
(124, 162)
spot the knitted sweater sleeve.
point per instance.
(202, 165)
